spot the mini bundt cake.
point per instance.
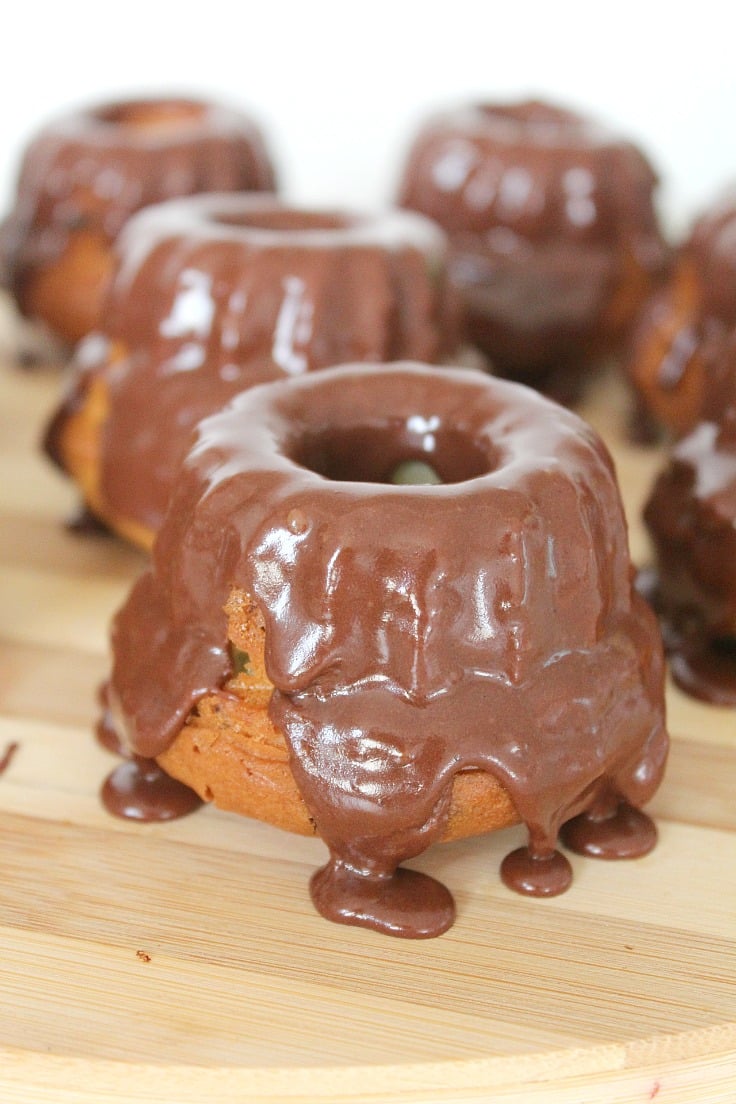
(691, 517)
(83, 177)
(677, 361)
(215, 293)
(390, 665)
(553, 235)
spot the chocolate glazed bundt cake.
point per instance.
(214, 294)
(679, 361)
(389, 666)
(85, 174)
(691, 518)
(554, 239)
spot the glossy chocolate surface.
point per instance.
(683, 352)
(553, 233)
(691, 516)
(712, 249)
(411, 631)
(215, 294)
(88, 172)
(138, 789)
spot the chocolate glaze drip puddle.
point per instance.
(8, 755)
(536, 875)
(706, 670)
(623, 833)
(139, 790)
(405, 903)
(411, 633)
(609, 829)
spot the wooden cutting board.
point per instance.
(184, 962)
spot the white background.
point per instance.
(340, 88)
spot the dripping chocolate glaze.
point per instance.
(691, 517)
(550, 219)
(215, 294)
(138, 788)
(411, 632)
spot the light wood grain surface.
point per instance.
(184, 963)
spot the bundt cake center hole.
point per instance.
(417, 451)
(285, 220)
(153, 115)
(538, 121)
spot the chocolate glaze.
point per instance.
(545, 875)
(215, 294)
(402, 902)
(139, 790)
(621, 832)
(711, 249)
(683, 352)
(88, 172)
(691, 517)
(411, 632)
(553, 234)
(706, 669)
(8, 755)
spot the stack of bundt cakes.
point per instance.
(389, 599)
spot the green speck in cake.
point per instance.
(414, 472)
(241, 661)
